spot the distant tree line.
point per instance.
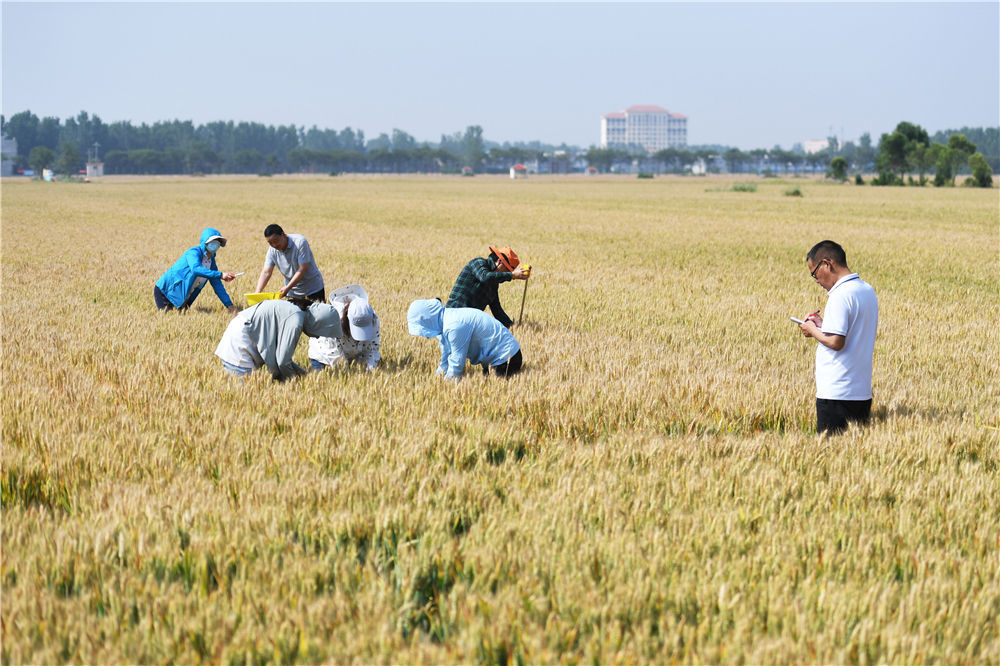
(909, 149)
(181, 147)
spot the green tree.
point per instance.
(473, 148)
(838, 169)
(670, 158)
(949, 157)
(735, 159)
(815, 160)
(380, 143)
(603, 159)
(69, 161)
(708, 156)
(891, 161)
(201, 158)
(982, 174)
(896, 151)
(865, 154)
(48, 133)
(117, 161)
(41, 158)
(23, 126)
(402, 141)
(960, 148)
(248, 161)
(913, 133)
(987, 140)
(942, 164)
(921, 159)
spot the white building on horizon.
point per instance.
(815, 146)
(652, 127)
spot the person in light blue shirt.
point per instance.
(465, 334)
(181, 284)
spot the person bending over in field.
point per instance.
(465, 333)
(362, 333)
(294, 259)
(476, 286)
(846, 338)
(267, 333)
(179, 286)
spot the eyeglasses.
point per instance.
(813, 273)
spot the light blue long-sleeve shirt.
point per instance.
(464, 334)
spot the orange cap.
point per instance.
(507, 256)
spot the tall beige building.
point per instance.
(652, 127)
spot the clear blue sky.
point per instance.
(750, 75)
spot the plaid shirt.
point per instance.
(476, 287)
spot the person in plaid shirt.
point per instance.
(476, 286)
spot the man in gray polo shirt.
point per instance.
(291, 254)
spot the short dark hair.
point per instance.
(827, 250)
(272, 229)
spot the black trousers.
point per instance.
(163, 303)
(315, 297)
(511, 367)
(832, 416)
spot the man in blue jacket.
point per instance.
(465, 333)
(179, 286)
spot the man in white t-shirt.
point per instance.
(294, 259)
(846, 337)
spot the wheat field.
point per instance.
(649, 489)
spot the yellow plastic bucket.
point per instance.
(254, 299)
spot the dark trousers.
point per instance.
(511, 367)
(832, 416)
(316, 297)
(163, 303)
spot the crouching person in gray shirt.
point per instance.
(267, 334)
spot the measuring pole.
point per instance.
(523, 295)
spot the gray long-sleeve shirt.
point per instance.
(274, 328)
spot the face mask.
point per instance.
(213, 247)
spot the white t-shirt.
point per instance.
(851, 311)
(236, 347)
(288, 262)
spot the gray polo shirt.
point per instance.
(288, 263)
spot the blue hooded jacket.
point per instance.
(176, 283)
(463, 333)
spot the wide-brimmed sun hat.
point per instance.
(507, 256)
